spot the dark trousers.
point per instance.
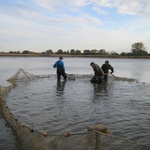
(97, 79)
(105, 77)
(61, 74)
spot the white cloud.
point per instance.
(99, 10)
(51, 4)
(64, 24)
(78, 3)
(133, 7)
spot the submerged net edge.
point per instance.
(31, 138)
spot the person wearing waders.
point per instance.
(60, 68)
(106, 67)
(98, 73)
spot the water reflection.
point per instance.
(120, 104)
(60, 88)
(61, 85)
(100, 91)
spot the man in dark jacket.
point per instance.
(106, 67)
(98, 73)
(60, 68)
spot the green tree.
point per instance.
(27, 52)
(78, 52)
(138, 49)
(11, 52)
(94, 51)
(114, 53)
(87, 52)
(72, 52)
(49, 51)
(102, 51)
(125, 54)
(60, 51)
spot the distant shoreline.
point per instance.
(66, 55)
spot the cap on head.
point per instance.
(106, 62)
(92, 63)
(60, 57)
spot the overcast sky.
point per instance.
(39, 25)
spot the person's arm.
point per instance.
(111, 68)
(55, 65)
(95, 71)
(101, 72)
(103, 68)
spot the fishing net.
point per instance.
(97, 137)
(123, 78)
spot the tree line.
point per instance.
(137, 49)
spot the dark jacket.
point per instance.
(106, 67)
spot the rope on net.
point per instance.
(98, 137)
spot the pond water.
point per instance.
(47, 105)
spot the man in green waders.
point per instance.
(98, 73)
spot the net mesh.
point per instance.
(96, 137)
(124, 78)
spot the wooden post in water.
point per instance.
(25, 74)
(97, 129)
(97, 144)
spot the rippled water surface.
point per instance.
(51, 106)
(46, 105)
